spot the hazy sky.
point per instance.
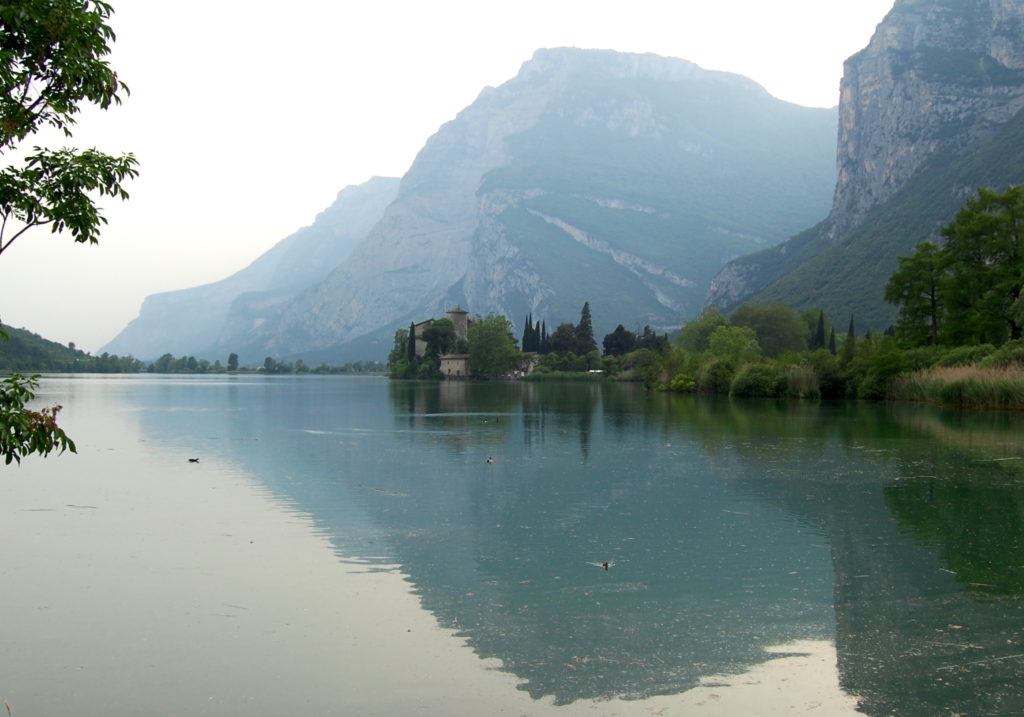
(249, 116)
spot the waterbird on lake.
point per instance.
(193, 460)
(490, 460)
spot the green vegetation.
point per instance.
(492, 349)
(26, 351)
(439, 338)
(25, 431)
(53, 60)
(848, 274)
(968, 291)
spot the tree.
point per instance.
(850, 345)
(818, 338)
(619, 342)
(163, 364)
(696, 332)
(232, 362)
(531, 335)
(649, 339)
(985, 253)
(24, 431)
(398, 362)
(440, 337)
(563, 340)
(737, 344)
(492, 347)
(777, 326)
(585, 342)
(410, 345)
(52, 61)
(917, 288)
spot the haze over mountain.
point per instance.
(929, 111)
(190, 321)
(621, 179)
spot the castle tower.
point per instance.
(460, 319)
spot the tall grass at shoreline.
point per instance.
(963, 387)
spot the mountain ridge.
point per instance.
(626, 180)
(939, 84)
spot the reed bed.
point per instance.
(963, 387)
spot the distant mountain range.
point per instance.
(646, 186)
(620, 179)
(929, 111)
(192, 321)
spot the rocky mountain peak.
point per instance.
(938, 75)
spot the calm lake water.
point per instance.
(359, 546)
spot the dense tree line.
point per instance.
(967, 291)
(26, 351)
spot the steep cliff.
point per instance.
(939, 83)
(625, 180)
(191, 321)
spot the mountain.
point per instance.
(191, 321)
(929, 111)
(625, 180)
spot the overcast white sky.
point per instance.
(249, 116)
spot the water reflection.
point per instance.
(731, 526)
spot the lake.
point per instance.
(352, 545)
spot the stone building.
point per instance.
(460, 320)
(455, 366)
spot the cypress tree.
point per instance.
(819, 335)
(585, 342)
(527, 341)
(832, 341)
(410, 349)
(850, 344)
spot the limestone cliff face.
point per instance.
(938, 78)
(422, 245)
(935, 76)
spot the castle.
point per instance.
(453, 366)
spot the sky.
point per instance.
(248, 117)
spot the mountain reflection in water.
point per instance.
(732, 526)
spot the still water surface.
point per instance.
(353, 545)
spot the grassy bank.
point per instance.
(963, 387)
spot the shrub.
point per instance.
(1009, 354)
(716, 376)
(830, 380)
(757, 380)
(683, 383)
(921, 357)
(964, 355)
